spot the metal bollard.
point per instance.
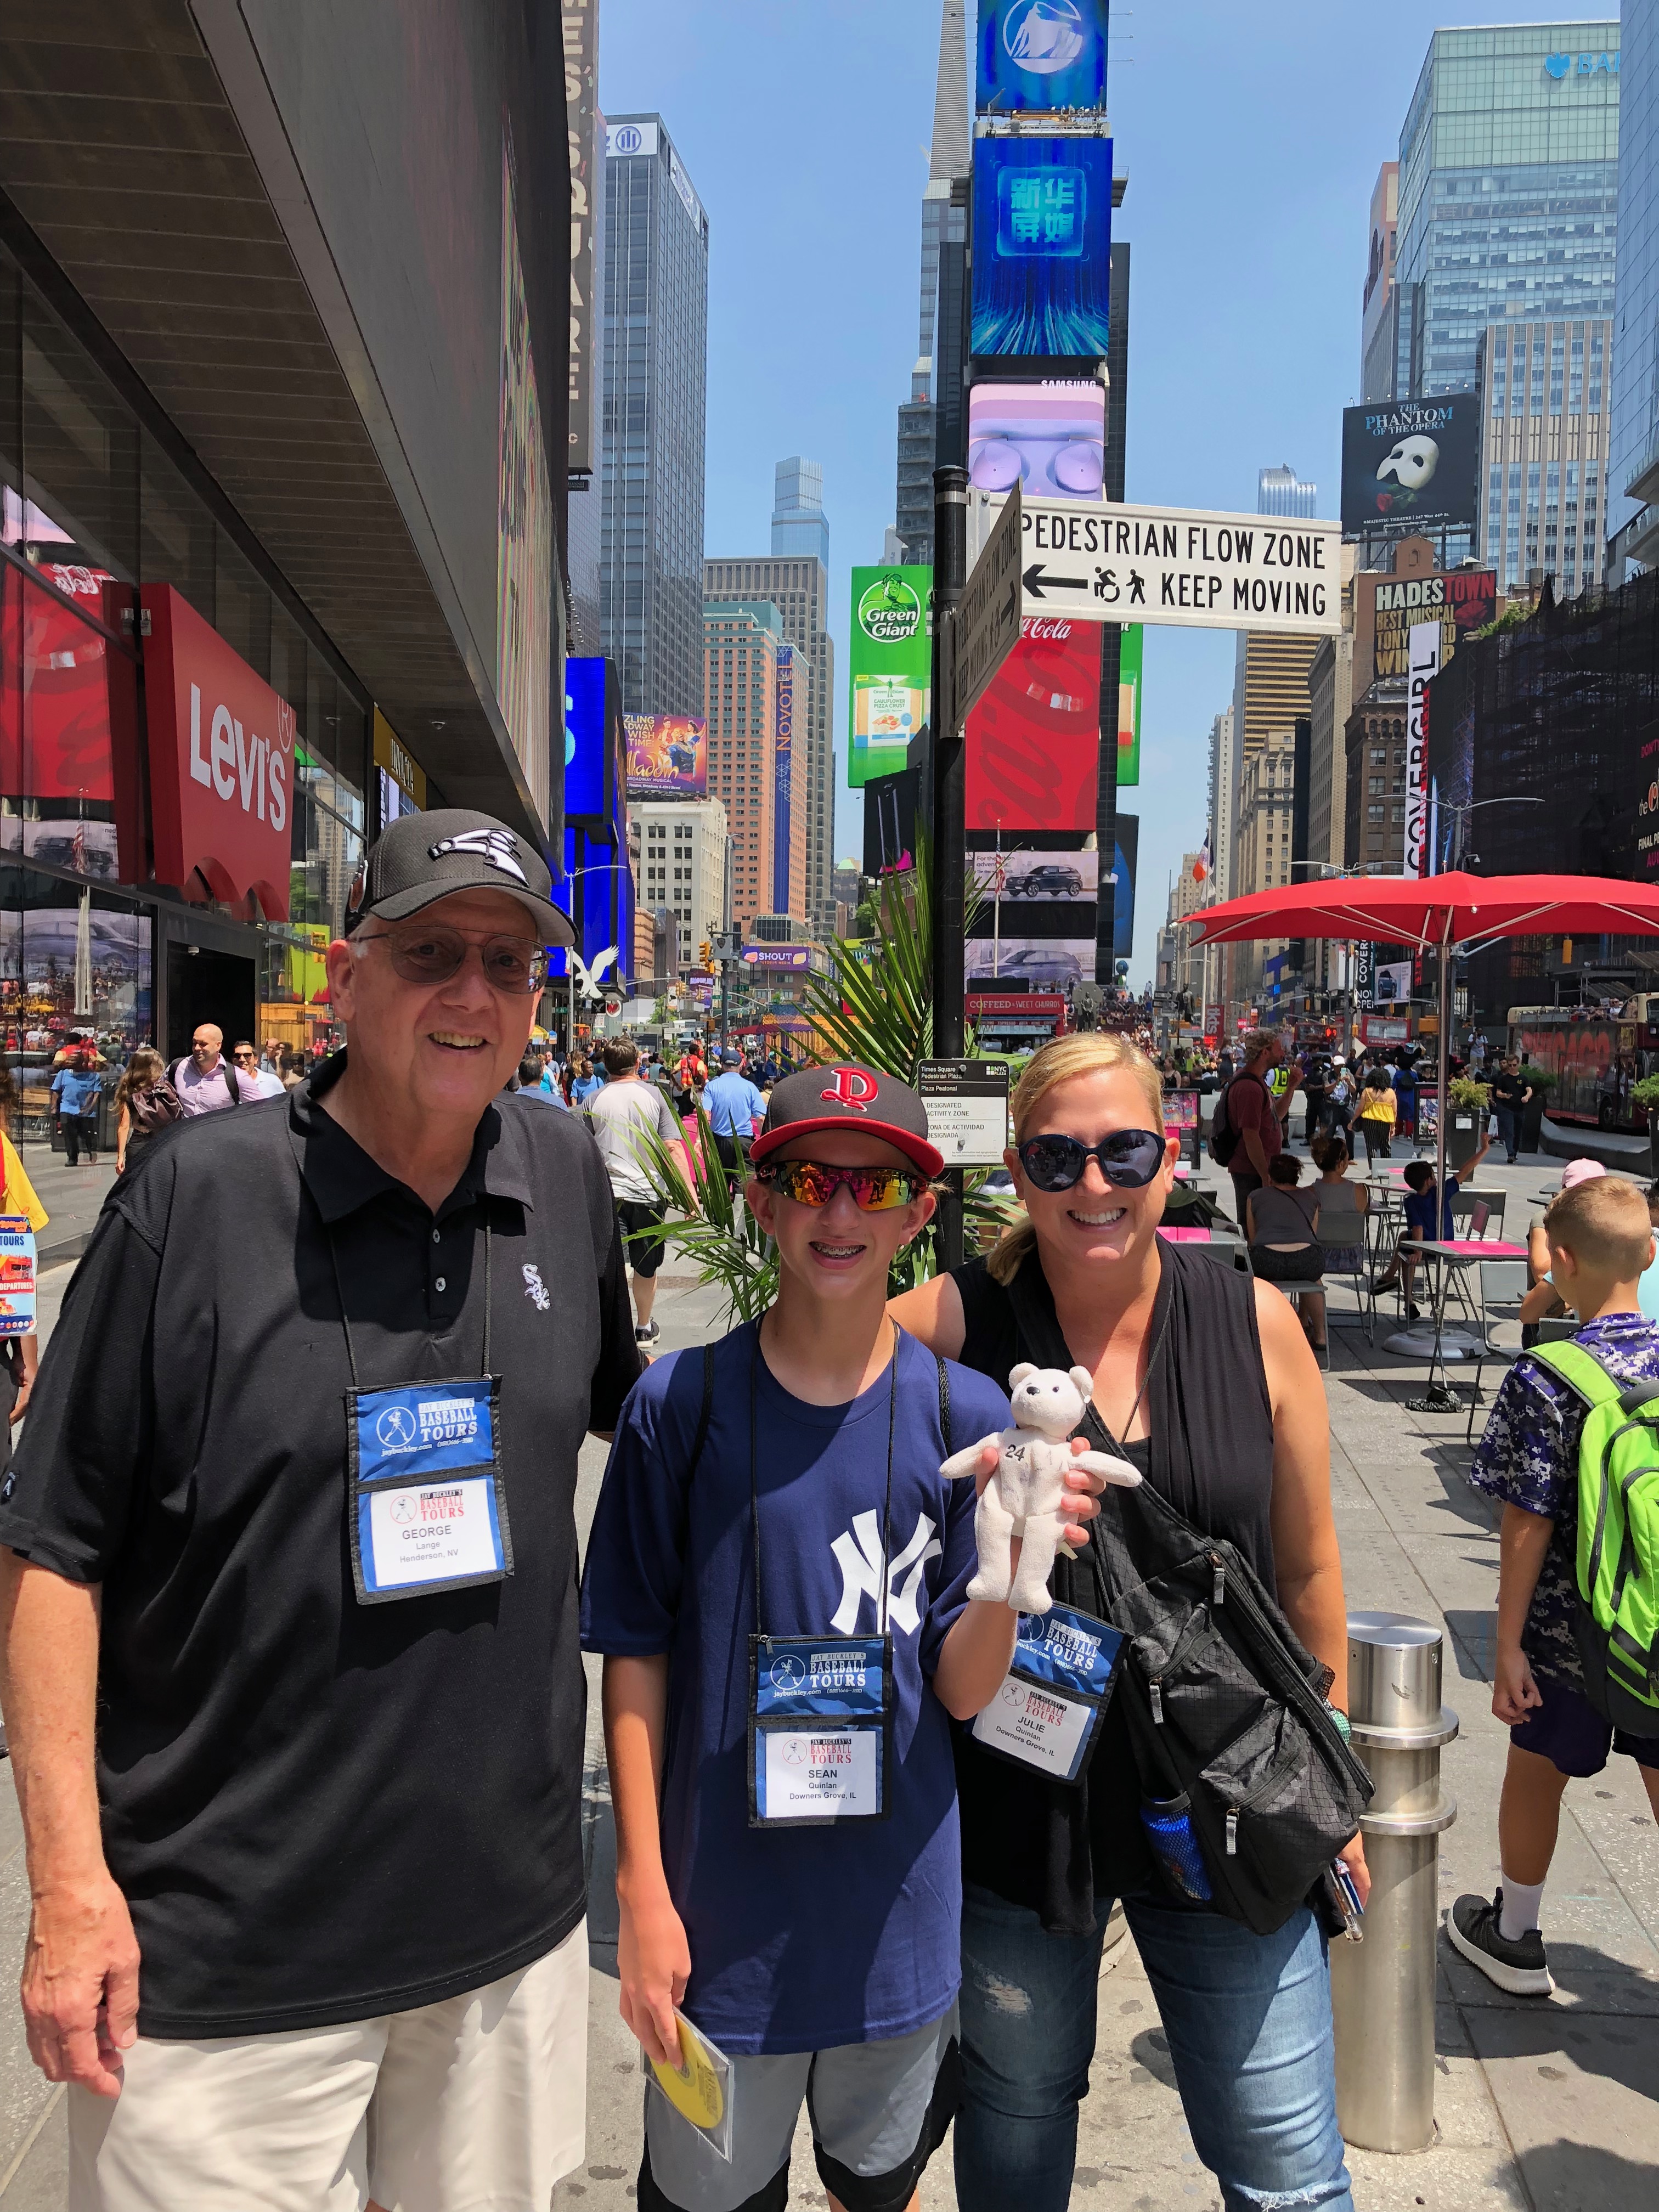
(1382, 1989)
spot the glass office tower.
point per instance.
(656, 349)
(1508, 193)
(1633, 448)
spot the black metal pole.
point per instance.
(949, 809)
(1112, 641)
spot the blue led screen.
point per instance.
(584, 736)
(1042, 247)
(1037, 54)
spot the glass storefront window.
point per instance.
(71, 958)
(57, 758)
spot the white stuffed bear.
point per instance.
(1025, 1496)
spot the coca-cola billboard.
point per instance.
(1034, 738)
(220, 760)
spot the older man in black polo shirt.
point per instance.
(289, 1606)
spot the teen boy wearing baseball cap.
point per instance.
(793, 1883)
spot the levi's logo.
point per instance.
(243, 768)
(851, 1088)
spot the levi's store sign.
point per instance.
(220, 760)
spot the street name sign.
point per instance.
(988, 616)
(1181, 566)
(967, 1102)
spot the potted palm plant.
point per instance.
(1645, 1094)
(1467, 1105)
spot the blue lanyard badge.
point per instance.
(1046, 1714)
(426, 1509)
(820, 1730)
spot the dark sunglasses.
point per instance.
(432, 955)
(875, 1190)
(1128, 1159)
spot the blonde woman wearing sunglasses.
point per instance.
(1205, 1380)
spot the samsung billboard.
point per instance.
(1411, 462)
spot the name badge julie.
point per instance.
(427, 1509)
(1047, 1714)
(820, 1729)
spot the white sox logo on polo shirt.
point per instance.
(851, 1088)
(499, 847)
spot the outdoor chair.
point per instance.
(1342, 1229)
(1549, 1332)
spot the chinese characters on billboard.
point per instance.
(1043, 246)
(667, 756)
(891, 668)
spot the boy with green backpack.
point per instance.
(1572, 1450)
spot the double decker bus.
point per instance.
(1596, 1060)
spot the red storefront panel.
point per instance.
(221, 760)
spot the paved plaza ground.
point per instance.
(1542, 2105)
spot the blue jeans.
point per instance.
(1249, 2023)
(1509, 1129)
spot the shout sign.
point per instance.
(221, 762)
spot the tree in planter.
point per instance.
(1464, 1098)
(1645, 1094)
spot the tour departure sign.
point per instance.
(1179, 565)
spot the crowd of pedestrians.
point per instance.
(292, 1522)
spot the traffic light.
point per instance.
(706, 954)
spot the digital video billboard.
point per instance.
(1048, 877)
(667, 756)
(584, 736)
(1131, 658)
(890, 668)
(783, 755)
(1415, 461)
(1462, 602)
(1049, 439)
(1126, 863)
(1043, 246)
(1032, 964)
(1036, 54)
(1034, 738)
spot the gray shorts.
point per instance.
(879, 2110)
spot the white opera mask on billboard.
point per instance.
(1411, 464)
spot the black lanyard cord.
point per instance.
(345, 1318)
(754, 1485)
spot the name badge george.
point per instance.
(426, 1507)
(1046, 1714)
(820, 1730)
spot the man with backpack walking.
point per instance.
(206, 1081)
(1559, 1451)
(1246, 1135)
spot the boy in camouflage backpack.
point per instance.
(1599, 1242)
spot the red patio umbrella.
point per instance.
(1436, 913)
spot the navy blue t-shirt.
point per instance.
(800, 1939)
(1418, 1211)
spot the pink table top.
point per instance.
(1474, 1248)
(1186, 1235)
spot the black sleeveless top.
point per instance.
(1054, 1847)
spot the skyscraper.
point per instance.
(1544, 421)
(1379, 307)
(944, 221)
(1509, 178)
(656, 344)
(799, 525)
(741, 644)
(798, 585)
(1632, 513)
(1281, 491)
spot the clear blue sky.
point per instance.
(1251, 137)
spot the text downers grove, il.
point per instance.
(17, 1275)
(1046, 1714)
(426, 1507)
(820, 1730)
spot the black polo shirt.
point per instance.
(321, 1810)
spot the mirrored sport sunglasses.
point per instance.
(1128, 1159)
(875, 1190)
(433, 954)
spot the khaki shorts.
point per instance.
(477, 2100)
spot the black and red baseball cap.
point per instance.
(846, 1094)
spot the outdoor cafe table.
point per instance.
(1457, 1252)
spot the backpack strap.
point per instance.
(944, 1403)
(704, 1411)
(1578, 1366)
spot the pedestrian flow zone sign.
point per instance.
(1120, 563)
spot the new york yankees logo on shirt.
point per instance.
(858, 1554)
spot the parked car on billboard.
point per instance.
(1027, 965)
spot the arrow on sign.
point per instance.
(1037, 581)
